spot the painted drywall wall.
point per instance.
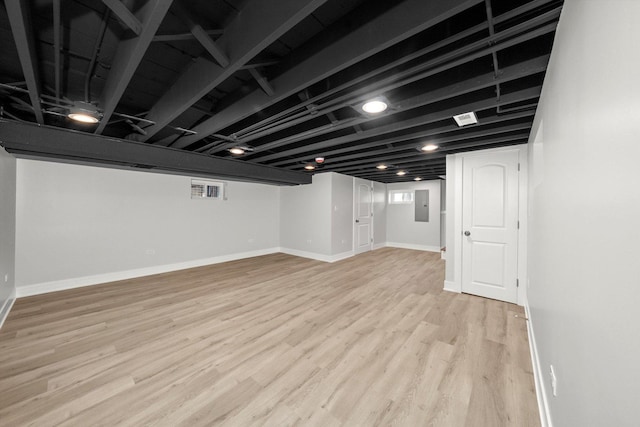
(379, 214)
(7, 231)
(584, 274)
(403, 230)
(305, 217)
(341, 213)
(79, 221)
(316, 220)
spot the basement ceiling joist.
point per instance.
(284, 80)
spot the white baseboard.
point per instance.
(450, 286)
(316, 256)
(541, 393)
(6, 307)
(414, 247)
(379, 246)
(78, 282)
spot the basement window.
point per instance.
(205, 189)
(400, 197)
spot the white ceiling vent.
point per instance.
(466, 119)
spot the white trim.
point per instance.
(412, 246)
(379, 245)
(316, 256)
(6, 307)
(451, 287)
(78, 282)
(541, 393)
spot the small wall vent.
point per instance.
(204, 189)
(466, 119)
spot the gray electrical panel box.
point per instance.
(422, 205)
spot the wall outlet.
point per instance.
(251, 240)
(309, 241)
(344, 241)
(150, 251)
(554, 381)
(6, 278)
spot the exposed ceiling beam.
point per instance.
(124, 14)
(183, 36)
(20, 20)
(128, 56)
(514, 72)
(51, 142)
(422, 134)
(398, 23)
(410, 153)
(408, 150)
(57, 45)
(203, 38)
(248, 34)
(410, 123)
(262, 81)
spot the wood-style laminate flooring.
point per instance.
(274, 340)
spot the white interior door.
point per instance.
(490, 225)
(362, 209)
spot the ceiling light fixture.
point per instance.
(401, 173)
(466, 119)
(382, 167)
(429, 147)
(417, 178)
(237, 151)
(309, 167)
(84, 112)
(375, 106)
(319, 160)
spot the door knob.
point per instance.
(357, 220)
(467, 233)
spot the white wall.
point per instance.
(76, 222)
(379, 214)
(584, 254)
(403, 230)
(305, 217)
(316, 220)
(7, 231)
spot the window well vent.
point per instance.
(203, 189)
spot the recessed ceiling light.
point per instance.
(84, 112)
(417, 178)
(429, 147)
(466, 119)
(401, 173)
(382, 167)
(237, 151)
(374, 106)
(309, 167)
(319, 160)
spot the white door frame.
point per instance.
(453, 282)
(371, 221)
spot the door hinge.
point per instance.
(372, 240)
(517, 283)
(518, 167)
(518, 225)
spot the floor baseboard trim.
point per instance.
(414, 247)
(316, 256)
(6, 307)
(541, 394)
(79, 282)
(450, 286)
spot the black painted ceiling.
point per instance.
(283, 79)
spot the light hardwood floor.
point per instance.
(275, 340)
